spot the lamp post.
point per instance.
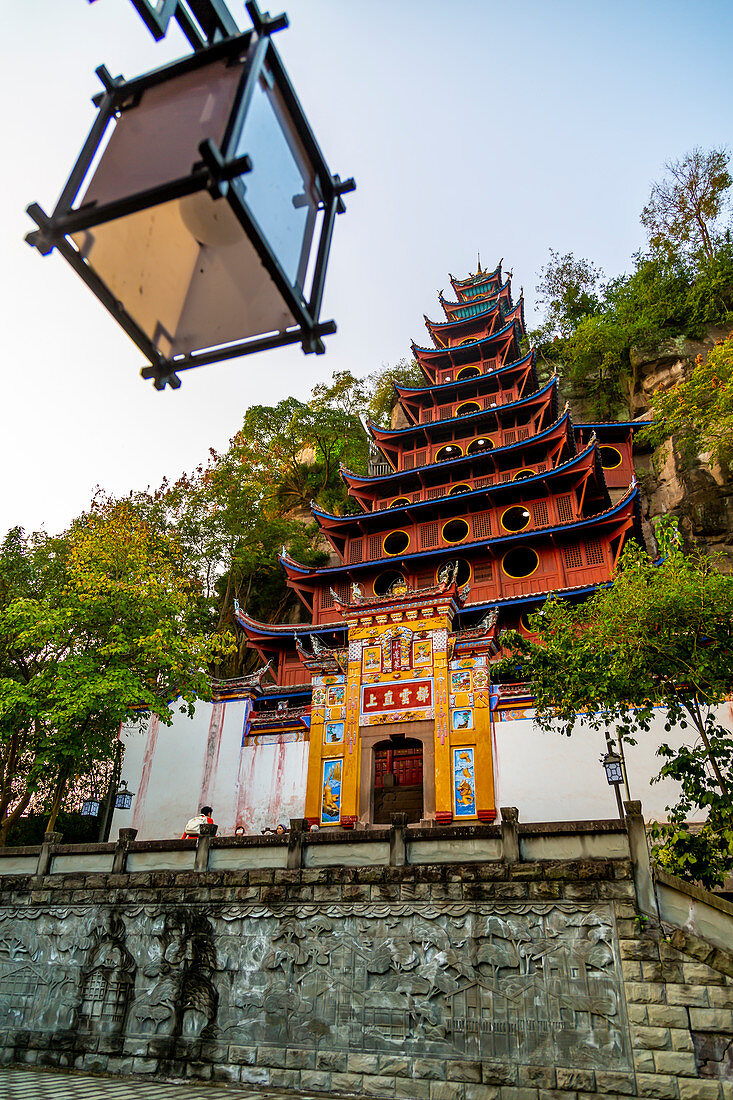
(200, 211)
(612, 764)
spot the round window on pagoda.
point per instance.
(445, 454)
(396, 542)
(454, 492)
(479, 445)
(468, 372)
(610, 458)
(463, 574)
(468, 408)
(521, 474)
(468, 340)
(385, 580)
(455, 530)
(400, 502)
(515, 518)
(525, 623)
(520, 562)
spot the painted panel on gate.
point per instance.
(460, 680)
(372, 658)
(333, 733)
(462, 719)
(331, 791)
(464, 783)
(396, 695)
(422, 652)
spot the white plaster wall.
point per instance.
(201, 761)
(550, 777)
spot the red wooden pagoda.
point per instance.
(486, 471)
(489, 472)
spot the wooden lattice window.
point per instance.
(539, 513)
(523, 433)
(594, 554)
(433, 493)
(482, 525)
(354, 551)
(415, 498)
(541, 468)
(483, 572)
(375, 546)
(445, 412)
(510, 436)
(564, 510)
(427, 416)
(429, 534)
(326, 599)
(425, 578)
(483, 482)
(420, 458)
(506, 477)
(489, 402)
(572, 555)
(408, 462)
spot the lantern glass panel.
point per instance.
(184, 269)
(90, 808)
(123, 801)
(281, 191)
(613, 771)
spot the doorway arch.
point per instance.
(403, 751)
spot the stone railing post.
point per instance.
(206, 833)
(298, 826)
(397, 846)
(639, 850)
(119, 859)
(45, 856)
(509, 834)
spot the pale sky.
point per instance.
(469, 125)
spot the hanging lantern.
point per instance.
(612, 764)
(124, 797)
(90, 808)
(200, 211)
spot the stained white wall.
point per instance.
(550, 777)
(201, 760)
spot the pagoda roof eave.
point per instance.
(430, 353)
(445, 302)
(630, 497)
(350, 477)
(254, 628)
(491, 308)
(610, 424)
(479, 277)
(516, 364)
(378, 433)
(564, 467)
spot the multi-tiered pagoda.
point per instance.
(486, 497)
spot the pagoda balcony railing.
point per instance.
(488, 481)
(450, 412)
(502, 437)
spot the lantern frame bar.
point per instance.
(213, 173)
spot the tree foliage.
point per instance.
(699, 410)
(95, 625)
(684, 207)
(660, 637)
(681, 282)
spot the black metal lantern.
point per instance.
(124, 797)
(612, 764)
(90, 807)
(201, 210)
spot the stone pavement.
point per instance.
(32, 1084)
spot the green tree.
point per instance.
(381, 388)
(571, 290)
(94, 625)
(698, 412)
(660, 636)
(684, 207)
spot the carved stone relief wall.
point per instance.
(338, 978)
